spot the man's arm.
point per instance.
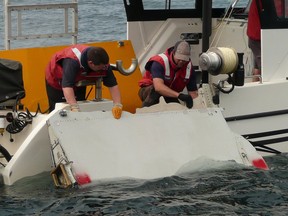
(157, 72)
(192, 86)
(193, 94)
(69, 95)
(116, 97)
(70, 69)
(162, 89)
(115, 94)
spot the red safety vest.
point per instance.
(54, 70)
(175, 80)
(253, 25)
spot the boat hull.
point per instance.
(259, 112)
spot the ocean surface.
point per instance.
(214, 189)
(98, 21)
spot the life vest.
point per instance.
(254, 24)
(175, 78)
(54, 70)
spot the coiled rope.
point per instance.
(22, 119)
(229, 60)
(19, 123)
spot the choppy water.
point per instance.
(216, 189)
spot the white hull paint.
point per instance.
(254, 110)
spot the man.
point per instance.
(254, 31)
(254, 36)
(167, 75)
(75, 64)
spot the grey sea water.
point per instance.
(214, 189)
(98, 21)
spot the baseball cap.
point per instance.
(182, 50)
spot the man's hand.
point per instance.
(74, 108)
(117, 110)
(187, 99)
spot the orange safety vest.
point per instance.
(176, 80)
(54, 70)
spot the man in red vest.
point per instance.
(73, 65)
(167, 74)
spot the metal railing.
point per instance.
(71, 7)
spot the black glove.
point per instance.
(187, 99)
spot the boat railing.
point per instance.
(70, 11)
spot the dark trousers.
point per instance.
(149, 96)
(56, 96)
(255, 46)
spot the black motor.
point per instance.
(11, 82)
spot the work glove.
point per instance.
(117, 110)
(187, 99)
(74, 108)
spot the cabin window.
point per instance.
(229, 3)
(168, 4)
(188, 4)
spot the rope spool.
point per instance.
(219, 60)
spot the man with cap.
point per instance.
(73, 65)
(167, 74)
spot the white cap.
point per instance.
(182, 51)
